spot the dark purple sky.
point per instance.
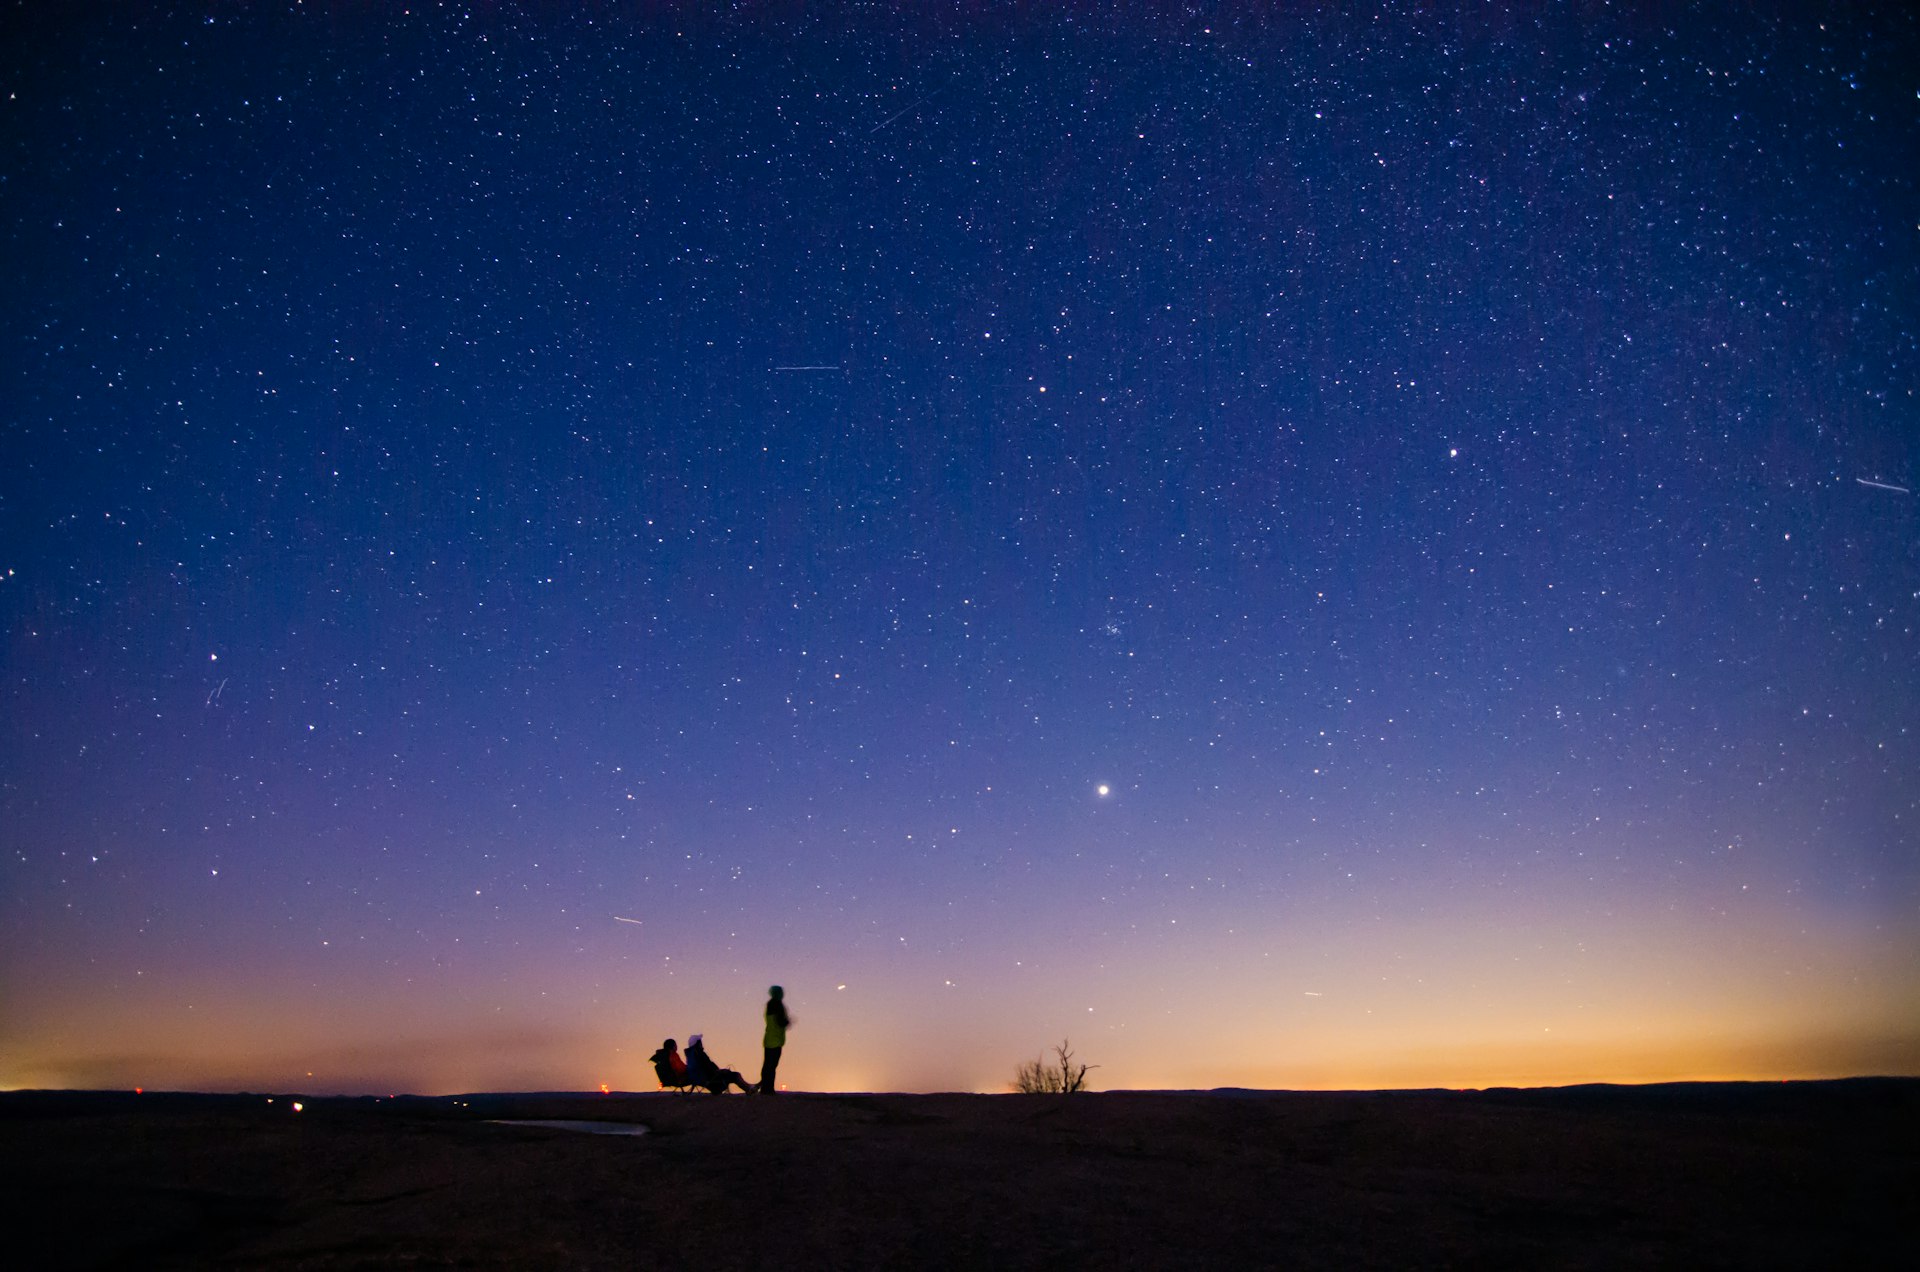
(1296, 549)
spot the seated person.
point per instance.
(668, 1066)
(703, 1072)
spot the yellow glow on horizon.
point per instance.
(1233, 994)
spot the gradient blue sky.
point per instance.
(1295, 549)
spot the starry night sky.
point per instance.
(1295, 549)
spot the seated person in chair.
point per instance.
(669, 1067)
(703, 1072)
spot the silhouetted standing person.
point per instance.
(776, 1037)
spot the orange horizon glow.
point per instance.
(1498, 991)
(1782, 1060)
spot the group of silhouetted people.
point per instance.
(697, 1069)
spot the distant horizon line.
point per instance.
(291, 1092)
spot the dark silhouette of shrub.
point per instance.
(1060, 1077)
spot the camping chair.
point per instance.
(672, 1079)
(705, 1075)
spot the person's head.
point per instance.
(669, 1045)
(776, 993)
(694, 1041)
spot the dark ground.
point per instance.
(1810, 1175)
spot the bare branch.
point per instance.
(1062, 1077)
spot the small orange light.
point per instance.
(603, 1089)
(139, 1090)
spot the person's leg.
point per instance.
(768, 1067)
